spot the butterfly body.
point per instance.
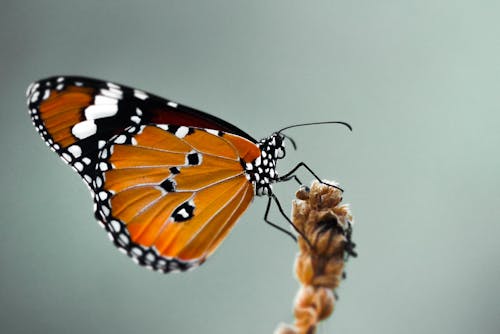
(169, 182)
(262, 170)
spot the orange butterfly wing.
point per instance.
(76, 115)
(169, 196)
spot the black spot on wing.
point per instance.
(183, 212)
(168, 185)
(173, 128)
(193, 159)
(174, 170)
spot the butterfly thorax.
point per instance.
(262, 171)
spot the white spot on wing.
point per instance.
(120, 139)
(183, 213)
(98, 182)
(213, 132)
(34, 97)
(137, 251)
(66, 157)
(112, 85)
(113, 93)
(75, 150)
(78, 165)
(103, 166)
(115, 225)
(84, 129)
(140, 94)
(182, 132)
(101, 99)
(100, 111)
(172, 104)
(28, 90)
(105, 210)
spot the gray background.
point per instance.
(418, 80)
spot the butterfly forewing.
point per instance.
(74, 115)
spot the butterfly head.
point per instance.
(274, 146)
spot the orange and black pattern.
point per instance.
(169, 181)
(74, 115)
(172, 196)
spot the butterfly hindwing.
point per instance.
(76, 116)
(169, 195)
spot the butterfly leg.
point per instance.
(291, 174)
(293, 177)
(266, 219)
(280, 209)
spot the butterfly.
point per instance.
(168, 181)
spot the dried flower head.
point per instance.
(319, 266)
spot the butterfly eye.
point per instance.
(279, 153)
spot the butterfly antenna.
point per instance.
(316, 123)
(291, 141)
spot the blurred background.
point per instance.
(418, 80)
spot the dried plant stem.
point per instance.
(326, 224)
